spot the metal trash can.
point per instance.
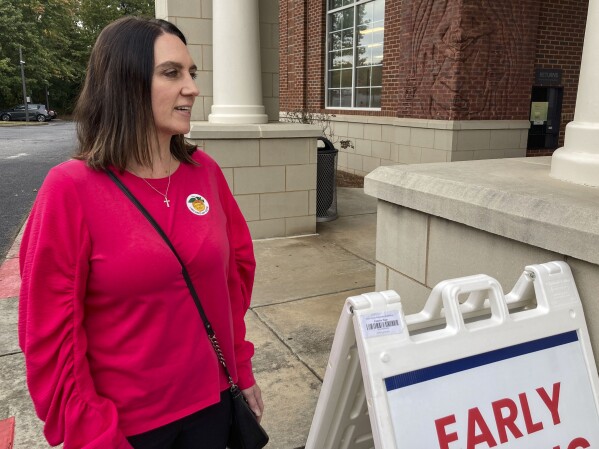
(326, 181)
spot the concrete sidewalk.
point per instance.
(301, 285)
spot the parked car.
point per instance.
(36, 112)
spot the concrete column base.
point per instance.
(238, 114)
(577, 167)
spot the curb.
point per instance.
(10, 278)
(15, 123)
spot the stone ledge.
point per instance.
(513, 198)
(455, 125)
(275, 130)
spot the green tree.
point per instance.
(11, 24)
(56, 37)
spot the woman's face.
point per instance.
(173, 87)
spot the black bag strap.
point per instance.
(192, 290)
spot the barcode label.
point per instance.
(381, 323)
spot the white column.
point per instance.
(578, 160)
(237, 72)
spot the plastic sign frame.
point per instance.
(539, 324)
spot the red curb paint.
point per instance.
(7, 433)
(10, 280)
(14, 249)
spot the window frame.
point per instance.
(354, 4)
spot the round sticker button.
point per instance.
(197, 204)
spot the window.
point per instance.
(355, 30)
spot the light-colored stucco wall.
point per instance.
(194, 18)
(494, 217)
(371, 142)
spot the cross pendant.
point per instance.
(167, 201)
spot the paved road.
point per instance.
(26, 155)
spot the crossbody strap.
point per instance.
(192, 290)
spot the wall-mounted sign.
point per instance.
(548, 77)
(538, 112)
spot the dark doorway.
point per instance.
(545, 114)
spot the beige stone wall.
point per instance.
(377, 141)
(269, 56)
(194, 18)
(415, 251)
(271, 170)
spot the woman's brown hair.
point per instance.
(115, 125)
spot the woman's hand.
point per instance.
(253, 396)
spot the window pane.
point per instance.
(363, 98)
(348, 18)
(346, 78)
(346, 98)
(334, 98)
(375, 100)
(335, 40)
(334, 78)
(364, 35)
(363, 77)
(335, 60)
(365, 14)
(377, 76)
(336, 21)
(348, 59)
(335, 4)
(364, 56)
(347, 38)
(377, 54)
(379, 10)
(347, 2)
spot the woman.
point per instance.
(116, 353)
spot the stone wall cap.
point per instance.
(455, 125)
(275, 130)
(515, 198)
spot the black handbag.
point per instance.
(246, 432)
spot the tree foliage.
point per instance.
(56, 37)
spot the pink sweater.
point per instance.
(113, 342)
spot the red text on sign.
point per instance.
(505, 413)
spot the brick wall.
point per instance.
(303, 58)
(303, 40)
(460, 60)
(484, 74)
(315, 57)
(390, 99)
(292, 70)
(559, 46)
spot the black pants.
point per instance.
(206, 429)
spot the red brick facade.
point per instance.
(392, 83)
(559, 46)
(462, 61)
(316, 55)
(447, 60)
(292, 57)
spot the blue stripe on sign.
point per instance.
(455, 366)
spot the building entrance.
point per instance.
(545, 115)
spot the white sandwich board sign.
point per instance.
(473, 370)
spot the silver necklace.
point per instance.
(165, 194)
